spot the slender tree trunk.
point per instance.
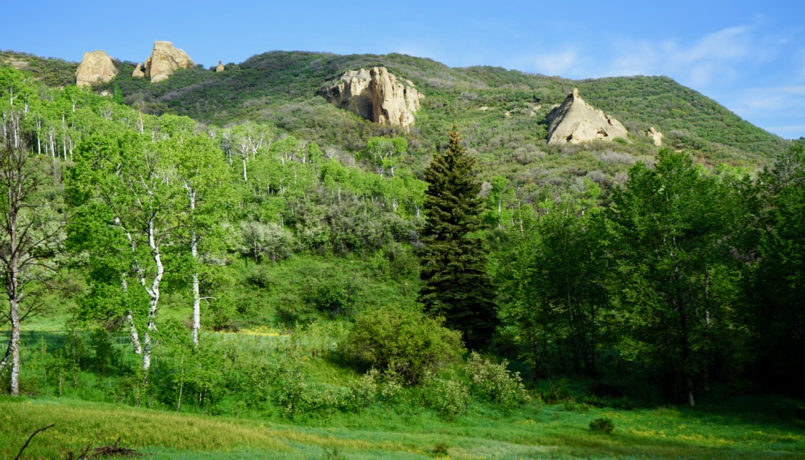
(15, 347)
(12, 277)
(245, 179)
(194, 252)
(133, 335)
(14, 300)
(153, 293)
(691, 398)
(196, 310)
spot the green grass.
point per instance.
(750, 428)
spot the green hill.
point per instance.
(275, 85)
(276, 223)
(500, 112)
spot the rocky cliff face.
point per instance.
(165, 59)
(576, 121)
(96, 67)
(376, 95)
(138, 71)
(655, 135)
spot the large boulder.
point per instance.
(138, 71)
(576, 121)
(96, 67)
(376, 95)
(165, 59)
(655, 135)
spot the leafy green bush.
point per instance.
(362, 392)
(297, 397)
(105, 353)
(403, 341)
(602, 425)
(448, 397)
(335, 296)
(495, 383)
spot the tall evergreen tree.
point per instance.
(456, 283)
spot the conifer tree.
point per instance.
(453, 259)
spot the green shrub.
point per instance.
(105, 354)
(391, 385)
(441, 449)
(362, 392)
(299, 398)
(334, 296)
(602, 425)
(495, 383)
(448, 397)
(403, 341)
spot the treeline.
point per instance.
(134, 203)
(683, 279)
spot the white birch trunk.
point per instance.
(194, 251)
(15, 345)
(133, 335)
(13, 290)
(153, 292)
(196, 310)
(245, 179)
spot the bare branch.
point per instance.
(24, 446)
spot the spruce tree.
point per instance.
(453, 259)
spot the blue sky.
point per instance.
(749, 56)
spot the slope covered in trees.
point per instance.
(501, 114)
(269, 269)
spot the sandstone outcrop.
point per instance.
(138, 71)
(96, 67)
(655, 135)
(575, 121)
(165, 59)
(375, 94)
(219, 68)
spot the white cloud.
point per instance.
(557, 63)
(714, 57)
(775, 108)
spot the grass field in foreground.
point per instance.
(538, 431)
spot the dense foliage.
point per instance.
(453, 260)
(288, 259)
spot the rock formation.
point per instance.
(655, 135)
(164, 60)
(138, 71)
(376, 95)
(576, 121)
(96, 67)
(219, 68)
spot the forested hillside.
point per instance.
(232, 244)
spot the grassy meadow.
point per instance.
(747, 428)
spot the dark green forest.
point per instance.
(231, 244)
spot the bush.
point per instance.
(495, 383)
(271, 240)
(335, 295)
(403, 341)
(105, 353)
(449, 397)
(299, 398)
(602, 425)
(362, 392)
